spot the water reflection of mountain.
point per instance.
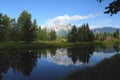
(61, 58)
(24, 62)
(71, 56)
(77, 56)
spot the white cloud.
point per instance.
(60, 22)
(65, 19)
(92, 27)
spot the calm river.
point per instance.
(50, 64)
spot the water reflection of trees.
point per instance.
(25, 61)
(44, 52)
(82, 54)
(108, 48)
(108, 69)
(117, 48)
(4, 64)
(19, 61)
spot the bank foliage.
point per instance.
(27, 30)
(82, 33)
(23, 29)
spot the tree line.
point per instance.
(107, 36)
(23, 29)
(83, 33)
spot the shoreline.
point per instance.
(52, 44)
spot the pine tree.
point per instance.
(6, 27)
(116, 34)
(82, 33)
(72, 36)
(39, 33)
(91, 36)
(53, 35)
(14, 31)
(25, 25)
(1, 28)
(34, 30)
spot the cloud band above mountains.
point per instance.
(62, 22)
(67, 19)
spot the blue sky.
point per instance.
(75, 12)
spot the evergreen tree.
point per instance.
(14, 31)
(91, 36)
(72, 36)
(25, 25)
(34, 30)
(53, 35)
(82, 33)
(113, 8)
(104, 35)
(39, 33)
(87, 32)
(116, 34)
(44, 34)
(5, 27)
(97, 36)
(1, 28)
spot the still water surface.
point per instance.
(50, 64)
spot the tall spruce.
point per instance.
(34, 30)
(1, 28)
(6, 25)
(53, 35)
(116, 34)
(14, 31)
(39, 33)
(25, 25)
(72, 36)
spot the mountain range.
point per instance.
(105, 29)
(63, 30)
(64, 33)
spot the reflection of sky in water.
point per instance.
(97, 57)
(61, 58)
(56, 67)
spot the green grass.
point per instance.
(50, 44)
(108, 69)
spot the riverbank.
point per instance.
(108, 69)
(51, 44)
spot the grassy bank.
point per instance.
(108, 69)
(51, 44)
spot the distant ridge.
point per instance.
(105, 29)
(63, 30)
